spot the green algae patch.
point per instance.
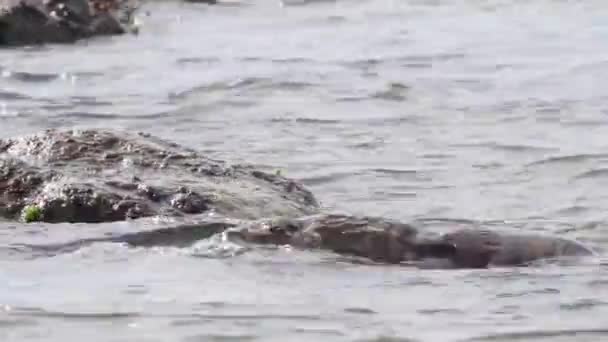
(31, 213)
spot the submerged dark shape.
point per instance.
(478, 248)
(28, 22)
(375, 238)
(103, 176)
(391, 241)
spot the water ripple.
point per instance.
(569, 159)
(542, 334)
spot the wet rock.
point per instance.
(28, 22)
(69, 175)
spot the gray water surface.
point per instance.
(441, 113)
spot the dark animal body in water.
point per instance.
(478, 248)
(394, 242)
(28, 22)
(375, 238)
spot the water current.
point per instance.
(440, 113)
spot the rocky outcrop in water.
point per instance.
(28, 22)
(95, 176)
(101, 176)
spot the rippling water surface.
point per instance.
(442, 113)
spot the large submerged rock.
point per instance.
(28, 22)
(101, 176)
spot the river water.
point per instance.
(440, 113)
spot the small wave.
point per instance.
(249, 84)
(411, 61)
(360, 311)
(507, 147)
(90, 115)
(39, 312)
(549, 291)
(317, 331)
(219, 338)
(582, 304)
(293, 3)
(448, 311)
(326, 178)
(387, 339)
(179, 236)
(296, 60)
(216, 247)
(7, 95)
(17, 322)
(596, 173)
(541, 334)
(89, 101)
(29, 77)
(217, 86)
(394, 92)
(368, 145)
(252, 317)
(572, 210)
(395, 171)
(197, 60)
(110, 116)
(569, 159)
(447, 220)
(316, 121)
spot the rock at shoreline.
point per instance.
(102, 176)
(29, 22)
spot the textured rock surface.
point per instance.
(100, 176)
(27, 22)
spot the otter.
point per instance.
(374, 238)
(480, 248)
(388, 241)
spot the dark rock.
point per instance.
(68, 175)
(28, 22)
